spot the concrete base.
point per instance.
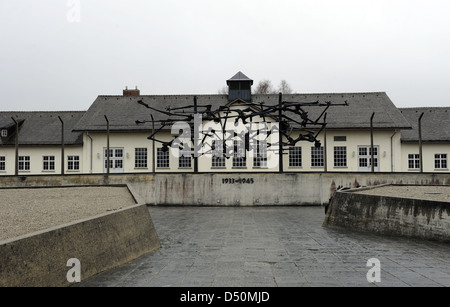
(99, 243)
(233, 189)
(416, 218)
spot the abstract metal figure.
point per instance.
(288, 115)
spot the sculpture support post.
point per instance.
(280, 122)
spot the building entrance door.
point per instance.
(365, 158)
(115, 160)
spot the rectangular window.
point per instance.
(340, 156)
(162, 158)
(116, 160)
(184, 162)
(73, 163)
(111, 164)
(239, 156)
(340, 138)
(218, 160)
(185, 158)
(260, 154)
(440, 161)
(4, 133)
(375, 156)
(140, 157)
(49, 163)
(317, 159)
(362, 151)
(295, 156)
(413, 161)
(2, 163)
(118, 153)
(24, 163)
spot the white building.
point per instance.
(123, 124)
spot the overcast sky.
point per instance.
(62, 54)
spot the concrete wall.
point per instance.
(415, 218)
(100, 243)
(231, 189)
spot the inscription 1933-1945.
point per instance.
(238, 181)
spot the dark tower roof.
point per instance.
(239, 77)
(240, 86)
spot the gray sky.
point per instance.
(50, 61)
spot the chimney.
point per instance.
(135, 92)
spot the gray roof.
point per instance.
(239, 77)
(354, 116)
(122, 112)
(435, 124)
(41, 128)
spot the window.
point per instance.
(295, 156)
(363, 161)
(118, 153)
(413, 161)
(375, 156)
(73, 163)
(2, 163)
(362, 151)
(340, 138)
(317, 159)
(365, 158)
(184, 159)
(24, 163)
(184, 162)
(218, 160)
(440, 161)
(49, 163)
(162, 158)
(4, 133)
(115, 160)
(140, 157)
(340, 156)
(260, 154)
(239, 157)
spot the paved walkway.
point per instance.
(270, 247)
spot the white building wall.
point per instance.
(389, 151)
(393, 155)
(36, 154)
(9, 154)
(96, 144)
(428, 150)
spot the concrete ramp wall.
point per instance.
(99, 243)
(415, 218)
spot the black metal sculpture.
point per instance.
(289, 116)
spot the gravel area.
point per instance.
(433, 193)
(24, 211)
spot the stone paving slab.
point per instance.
(273, 247)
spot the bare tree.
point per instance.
(223, 91)
(284, 87)
(265, 87)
